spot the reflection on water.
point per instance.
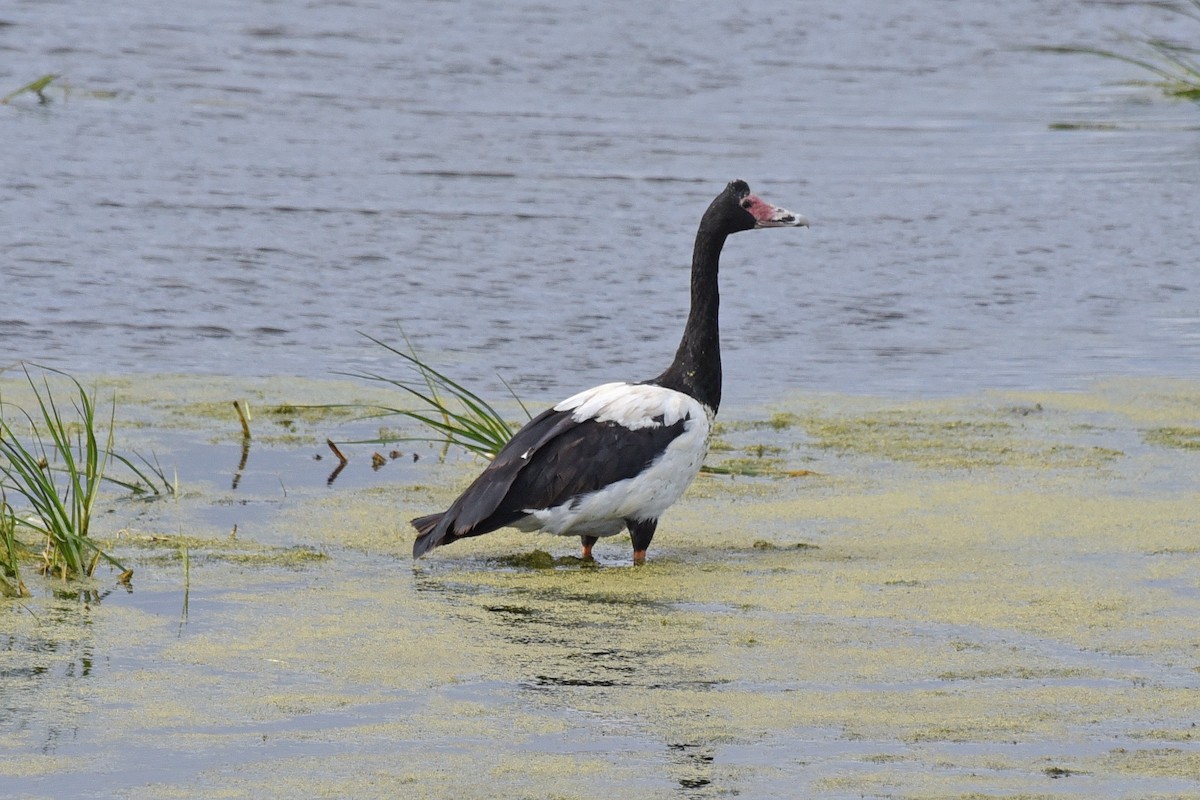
(42, 666)
(567, 649)
(241, 191)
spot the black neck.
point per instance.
(696, 369)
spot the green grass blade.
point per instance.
(1174, 63)
(145, 482)
(513, 394)
(458, 415)
(36, 86)
(1112, 54)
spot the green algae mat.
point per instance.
(990, 596)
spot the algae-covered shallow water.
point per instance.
(993, 595)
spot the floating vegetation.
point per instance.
(948, 443)
(1175, 64)
(278, 423)
(779, 421)
(755, 467)
(540, 559)
(763, 544)
(162, 550)
(1083, 126)
(882, 585)
(1179, 437)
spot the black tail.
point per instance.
(425, 533)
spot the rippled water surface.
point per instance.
(240, 188)
(986, 595)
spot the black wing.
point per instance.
(549, 461)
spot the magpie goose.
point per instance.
(616, 456)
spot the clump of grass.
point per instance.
(1176, 65)
(453, 413)
(58, 469)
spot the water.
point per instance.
(240, 190)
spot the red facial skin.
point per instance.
(761, 210)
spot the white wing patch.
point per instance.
(648, 494)
(632, 405)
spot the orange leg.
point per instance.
(641, 531)
(588, 543)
